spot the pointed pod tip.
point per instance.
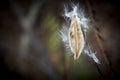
(76, 57)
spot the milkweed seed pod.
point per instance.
(75, 38)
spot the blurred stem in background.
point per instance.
(96, 33)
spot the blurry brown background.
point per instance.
(31, 49)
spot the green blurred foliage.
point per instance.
(51, 25)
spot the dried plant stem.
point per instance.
(98, 39)
(88, 46)
(95, 32)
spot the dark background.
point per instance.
(45, 57)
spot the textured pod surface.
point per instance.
(76, 38)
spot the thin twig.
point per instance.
(88, 47)
(95, 31)
(98, 39)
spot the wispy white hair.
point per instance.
(91, 55)
(82, 20)
(64, 36)
(79, 12)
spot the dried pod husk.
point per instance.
(76, 38)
